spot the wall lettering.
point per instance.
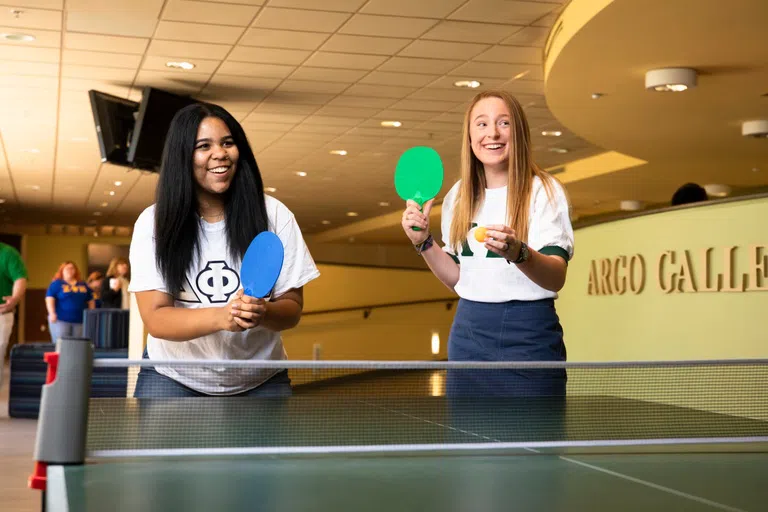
(682, 272)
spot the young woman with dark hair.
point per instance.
(185, 260)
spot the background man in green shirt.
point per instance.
(13, 284)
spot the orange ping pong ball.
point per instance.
(480, 234)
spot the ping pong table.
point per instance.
(352, 447)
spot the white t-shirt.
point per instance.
(212, 280)
(484, 276)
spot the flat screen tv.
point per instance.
(114, 118)
(156, 111)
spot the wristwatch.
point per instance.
(523, 255)
(423, 246)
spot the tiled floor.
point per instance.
(17, 441)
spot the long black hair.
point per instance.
(177, 223)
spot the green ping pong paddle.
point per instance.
(419, 175)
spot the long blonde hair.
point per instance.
(522, 171)
(112, 269)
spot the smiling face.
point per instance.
(215, 157)
(489, 133)
(68, 272)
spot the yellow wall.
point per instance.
(44, 253)
(654, 325)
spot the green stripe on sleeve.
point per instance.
(553, 250)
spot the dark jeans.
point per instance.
(151, 384)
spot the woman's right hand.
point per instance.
(412, 216)
(52, 318)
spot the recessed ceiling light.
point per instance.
(118, 183)
(111, 192)
(631, 205)
(17, 37)
(104, 205)
(757, 129)
(557, 150)
(391, 124)
(351, 214)
(597, 95)
(326, 222)
(301, 173)
(180, 65)
(341, 152)
(271, 190)
(2, 201)
(670, 79)
(717, 190)
(551, 133)
(469, 84)
(384, 203)
(521, 75)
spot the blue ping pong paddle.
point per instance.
(262, 264)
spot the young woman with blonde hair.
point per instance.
(507, 239)
(114, 287)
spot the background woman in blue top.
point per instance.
(68, 296)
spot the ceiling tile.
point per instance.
(187, 49)
(98, 72)
(440, 49)
(379, 91)
(29, 54)
(424, 105)
(268, 55)
(344, 60)
(31, 18)
(269, 38)
(248, 69)
(416, 65)
(466, 32)
(43, 38)
(115, 60)
(196, 32)
(481, 70)
(327, 5)
(400, 79)
(421, 8)
(189, 83)
(512, 55)
(192, 11)
(114, 23)
(402, 115)
(528, 36)
(364, 44)
(96, 42)
(299, 98)
(9, 67)
(433, 93)
(386, 26)
(490, 11)
(328, 75)
(312, 87)
(524, 87)
(336, 111)
(240, 87)
(261, 119)
(270, 107)
(294, 19)
(546, 21)
(356, 101)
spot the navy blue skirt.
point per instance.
(507, 331)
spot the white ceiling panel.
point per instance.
(295, 19)
(386, 26)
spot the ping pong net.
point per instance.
(386, 406)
